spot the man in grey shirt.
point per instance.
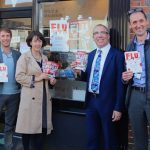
(9, 91)
(138, 91)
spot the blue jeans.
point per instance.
(11, 103)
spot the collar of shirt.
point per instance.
(104, 50)
(8, 54)
(137, 43)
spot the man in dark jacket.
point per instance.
(9, 91)
(105, 91)
(138, 92)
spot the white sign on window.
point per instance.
(59, 35)
(15, 39)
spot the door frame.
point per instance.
(18, 12)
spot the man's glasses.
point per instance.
(134, 11)
(100, 33)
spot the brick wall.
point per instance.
(145, 4)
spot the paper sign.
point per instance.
(59, 35)
(133, 61)
(15, 39)
(50, 68)
(81, 60)
(3, 73)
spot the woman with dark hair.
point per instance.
(34, 116)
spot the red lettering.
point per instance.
(64, 27)
(128, 56)
(136, 55)
(53, 25)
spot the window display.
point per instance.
(68, 29)
(20, 28)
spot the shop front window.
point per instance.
(20, 28)
(67, 27)
(14, 3)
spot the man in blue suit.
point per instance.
(105, 91)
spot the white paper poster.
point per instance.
(59, 35)
(133, 61)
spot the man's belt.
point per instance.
(140, 89)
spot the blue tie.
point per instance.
(96, 74)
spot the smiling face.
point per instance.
(36, 43)
(101, 36)
(138, 23)
(5, 39)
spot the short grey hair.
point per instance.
(101, 25)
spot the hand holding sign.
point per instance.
(133, 61)
(50, 68)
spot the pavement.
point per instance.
(16, 140)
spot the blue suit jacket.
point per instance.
(112, 91)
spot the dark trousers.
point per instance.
(122, 131)
(139, 114)
(34, 141)
(11, 104)
(100, 128)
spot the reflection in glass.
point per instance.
(20, 28)
(68, 28)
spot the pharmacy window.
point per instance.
(67, 27)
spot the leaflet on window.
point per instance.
(59, 35)
(133, 61)
(81, 60)
(3, 73)
(50, 68)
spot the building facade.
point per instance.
(67, 26)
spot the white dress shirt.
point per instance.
(104, 54)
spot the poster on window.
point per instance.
(85, 29)
(73, 36)
(3, 73)
(133, 61)
(59, 35)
